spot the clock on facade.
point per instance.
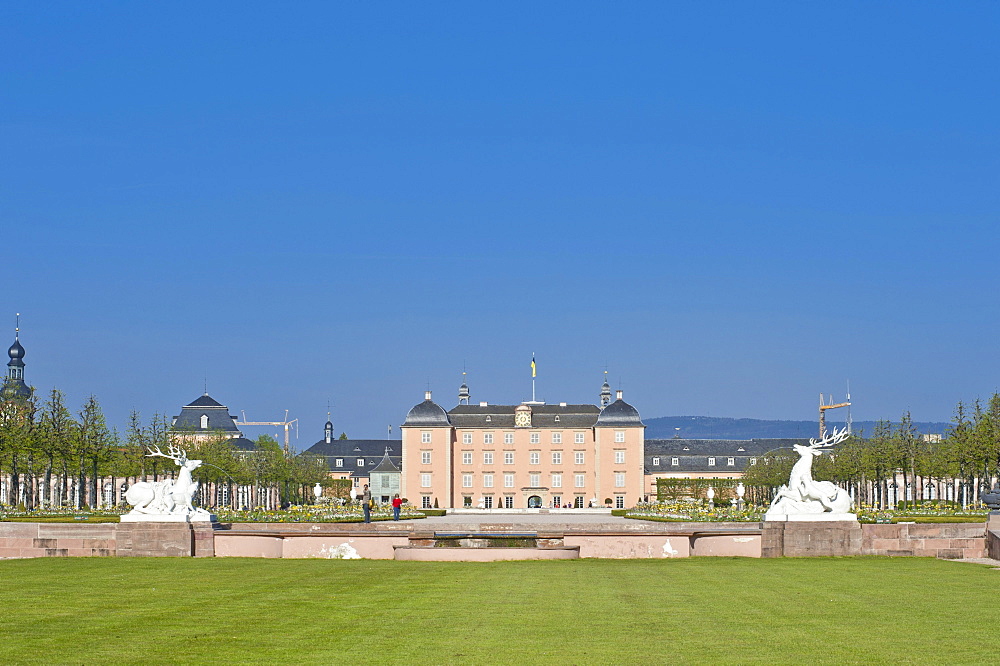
(522, 417)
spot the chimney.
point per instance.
(618, 394)
(427, 395)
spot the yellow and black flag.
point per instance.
(533, 366)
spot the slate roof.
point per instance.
(542, 416)
(619, 413)
(693, 454)
(219, 417)
(349, 451)
(426, 413)
(243, 444)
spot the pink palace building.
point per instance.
(531, 455)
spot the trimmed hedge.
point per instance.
(433, 512)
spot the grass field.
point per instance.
(698, 610)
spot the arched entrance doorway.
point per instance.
(534, 502)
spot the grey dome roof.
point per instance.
(619, 413)
(16, 350)
(427, 413)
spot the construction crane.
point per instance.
(286, 423)
(829, 404)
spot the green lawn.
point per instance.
(698, 610)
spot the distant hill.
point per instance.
(710, 427)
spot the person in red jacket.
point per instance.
(396, 504)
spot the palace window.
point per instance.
(711, 462)
(753, 461)
(508, 502)
(466, 438)
(508, 457)
(487, 457)
(466, 480)
(619, 501)
(467, 501)
(488, 502)
(578, 457)
(731, 461)
(204, 421)
(675, 461)
(508, 438)
(508, 480)
(557, 500)
(534, 480)
(557, 438)
(535, 438)
(425, 502)
(361, 462)
(557, 480)
(487, 481)
(425, 480)
(619, 480)
(466, 457)
(578, 502)
(580, 480)
(578, 438)
(534, 458)
(656, 462)
(425, 437)
(619, 457)
(619, 436)
(425, 457)
(339, 462)
(487, 438)
(557, 458)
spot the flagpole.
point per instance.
(532, 376)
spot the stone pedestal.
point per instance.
(804, 538)
(993, 535)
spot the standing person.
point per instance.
(396, 504)
(366, 503)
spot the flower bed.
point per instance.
(325, 513)
(701, 511)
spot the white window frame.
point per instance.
(466, 480)
(619, 501)
(425, 437)
(619, 480)
(711, 462)
(508, 457)
(579, 457)
(656, 461)
(487, 457)
(361, 462)
(487, 438)
(535, 480)
(508, 438)
(535, 438)
(340, 462)
(425, 457)
(534, 458)
(557, 457)
(580, 481)
(557, 480)
(674, 462)
(425, 480)
(619, 436)
(425, 502)
(619, 457)
(578, 438)
(466, 438)
(508, 480)
(557, 438)
(466, 457)
(487, 480)
(731, 461)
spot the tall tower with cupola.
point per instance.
(14, 387)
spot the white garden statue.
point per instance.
(168, 500)
(806, 499)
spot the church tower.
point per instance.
(463, 392)
(14, 387)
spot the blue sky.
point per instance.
(731, 206)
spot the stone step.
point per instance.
(425, 554)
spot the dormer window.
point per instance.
(361, 462)
(204, 421)
(489, 418)
(557, 417)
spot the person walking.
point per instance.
(366, 504)
(396, 504)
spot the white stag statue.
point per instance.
(806, 497)
(170, 499)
